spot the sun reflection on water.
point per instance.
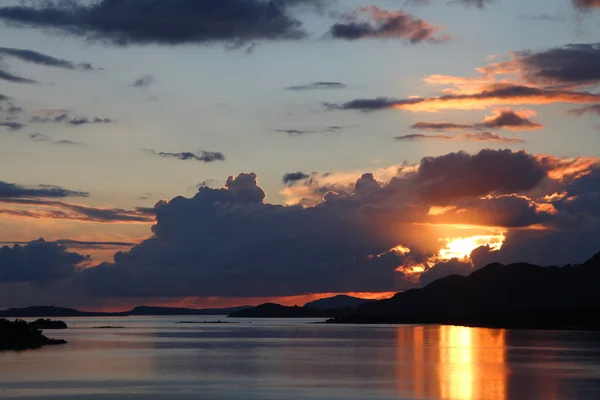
(452, 363)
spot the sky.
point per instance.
(201, 153)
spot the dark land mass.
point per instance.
(340, 301)
(518, 296)
(271, 310)
(19, 335)
(45, 324)
(145, 310)
(49, 311)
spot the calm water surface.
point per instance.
(157, 358)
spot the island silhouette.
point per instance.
(21, 335)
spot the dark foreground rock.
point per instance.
(19, 335)
(46, 324)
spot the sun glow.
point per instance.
(462, 247)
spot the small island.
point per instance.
(20, 335)
(47, 324)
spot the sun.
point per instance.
(462, 247)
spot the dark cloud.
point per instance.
(143, 81)
(165, 22)
(38, 262)
(60, 210)
(458, 175)
(229, 242)
(543, 17)
(15, 191)
(302, 132)
(79, 244)
(502, 119)
(13, 126)
(203, 156)
(271, 249)
(43, 59)
(41, 138)
(318, 85)
(592, 109)
(383, 24)
(474, 137)
(364, 237)
(7, 76)
(571, 65)
(293, 177)
(494, 95)
(66, 119)
(11, 108)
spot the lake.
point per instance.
(157, 358)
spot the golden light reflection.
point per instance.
(463, 246)
(451, 363)
(472, 363)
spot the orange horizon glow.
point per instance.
(227, 302)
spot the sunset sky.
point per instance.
(210, 153)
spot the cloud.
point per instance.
(573, 64)
(79, 244)
(474, 137)
(16, 191)
(49, 209)
(383, 24)
(7, 76)
(501, 119)
(43, 59)
(317, 86)
(586, 4)
(12, 126)
(384, 231)
(62, 117)
(229, 242)
(143, 81)
(11, 108)
(41, 138)
(498, 95)
(593, 109)
(293, 177)
(38, 262)
(542, 17)
(301, 132)
(165, 22)
(203, 156)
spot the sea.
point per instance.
(292, 359)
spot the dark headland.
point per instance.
(512, 296)
(20, 335)
(50, 311)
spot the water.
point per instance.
(156, 358)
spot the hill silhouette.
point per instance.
(339, 301)
(512, 296)
(50, 311)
